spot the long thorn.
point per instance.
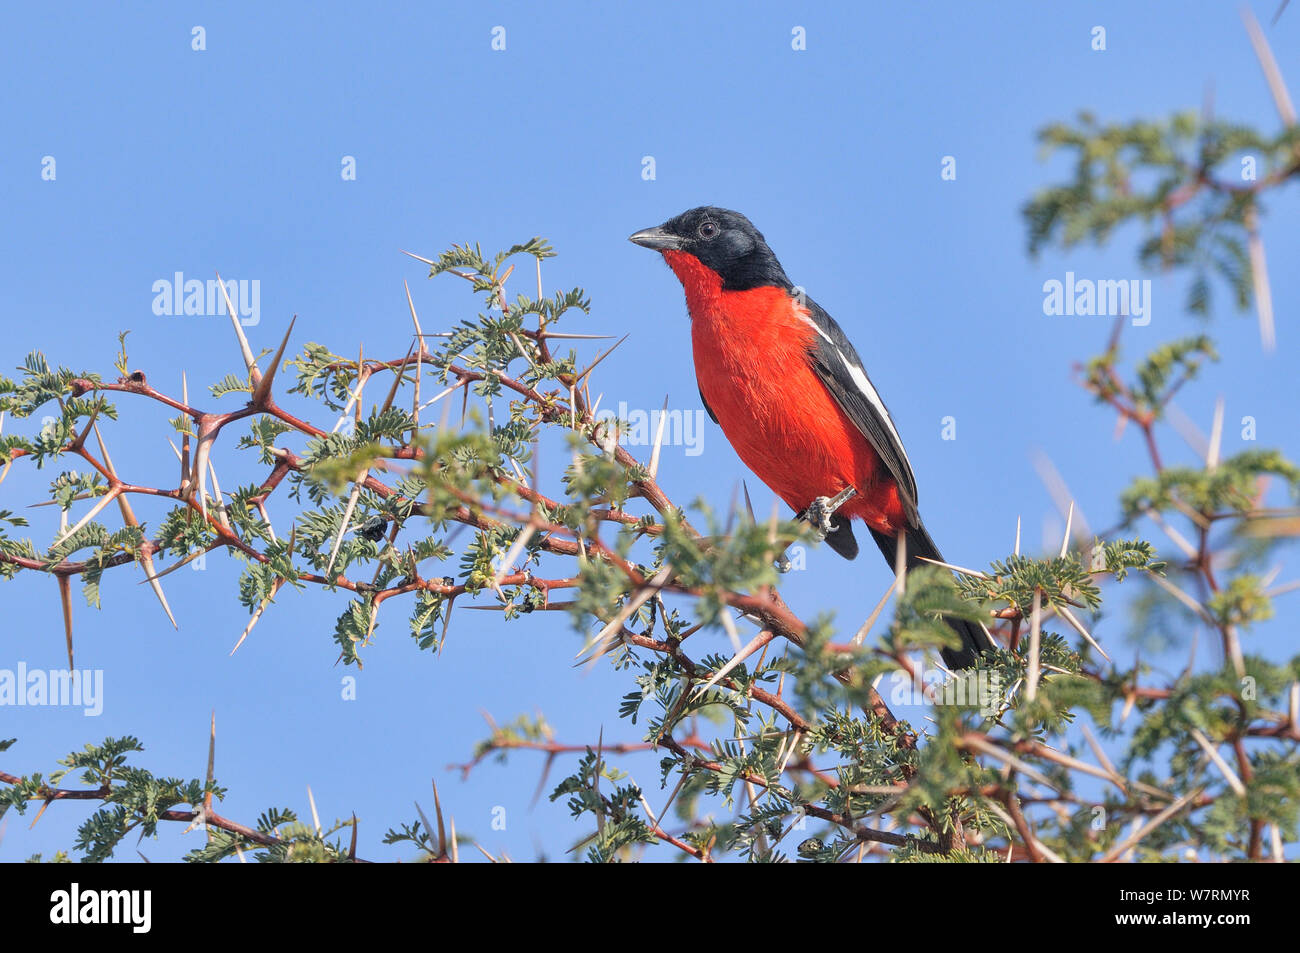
(247, 352)
(257, 613)
(591, 367)
(437, 809)
(875, 614)
(1069, 524)
(1216, 436)
(347, 516)
(397, 380)
(263, 389)
(659, 440)
(756, 643)
(185, 438)
(512, 554)
(104, 500)
(427, 261)
(65, 599)
(1276, 85)
(1064, 612)
(1229, 775)
(171, 569)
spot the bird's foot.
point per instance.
(820, 511)
(819, 514)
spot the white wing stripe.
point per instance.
(803, 316)
(869, 392)
(864, 385)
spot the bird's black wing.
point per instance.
(837, 364)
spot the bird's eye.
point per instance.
(707, 230)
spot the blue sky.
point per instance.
(170, 159)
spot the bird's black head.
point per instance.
(724, 241)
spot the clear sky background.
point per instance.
(171, 159)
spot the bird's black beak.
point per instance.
(656, 238)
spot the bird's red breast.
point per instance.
(751, 351)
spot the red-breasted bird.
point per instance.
(792, 396)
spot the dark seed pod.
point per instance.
(373, 529)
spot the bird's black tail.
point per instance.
(974, 640)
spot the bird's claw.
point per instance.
(820, 511)
(819, 514)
